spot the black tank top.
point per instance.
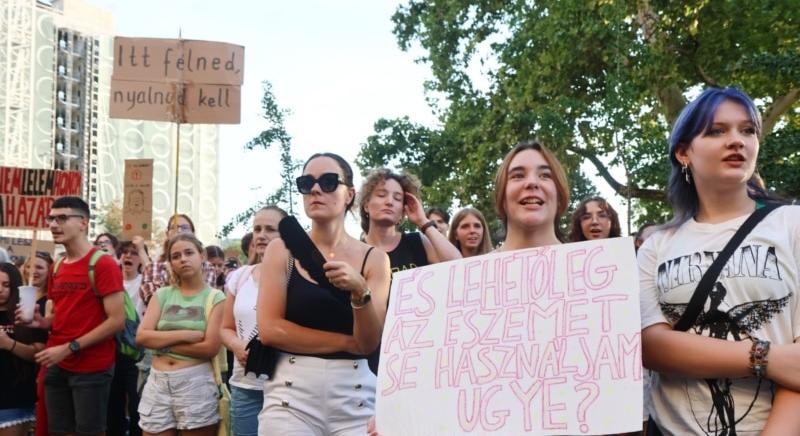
(310, 305)
(409, 253)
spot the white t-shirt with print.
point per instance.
(132, 288)
(757, 289)
(243, 287)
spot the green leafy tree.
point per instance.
(110, 218)
(598, 82)
(274, 135)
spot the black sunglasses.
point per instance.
(328, 182)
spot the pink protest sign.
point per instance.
(541, 341)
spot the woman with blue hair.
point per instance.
(731, 367)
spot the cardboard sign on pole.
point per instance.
(26, 195)
(22, 246)
(137, 210)
(536, 341)
(177, 80)
(193, 103)
(169, 60)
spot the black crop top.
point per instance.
(409, 253)
(310, 305)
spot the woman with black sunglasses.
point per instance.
(322, 383)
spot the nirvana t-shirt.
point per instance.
(755, 296)
(77, 310)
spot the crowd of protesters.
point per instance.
(303, 318)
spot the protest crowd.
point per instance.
(126, 341)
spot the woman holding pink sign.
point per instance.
(18, 345)
(531, 195)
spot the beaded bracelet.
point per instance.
(758, 357)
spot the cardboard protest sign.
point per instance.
(176, 80)
(539, 341)
(165, 60)
(192, 103)
(26, 195)
(22, 246)
(137, 209)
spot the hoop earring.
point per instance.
(687, 174)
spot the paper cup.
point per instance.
(27, 302)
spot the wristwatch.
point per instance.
(425, 226)
(74, 346)
(358, 303)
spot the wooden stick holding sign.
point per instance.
(177, 80)
(32, 256)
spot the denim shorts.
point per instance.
(245, 406)
(77, 402)
(183, 399)
(12, 417)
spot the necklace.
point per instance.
(331, 254)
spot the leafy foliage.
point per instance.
(274, 135)
(599, 82)
(110, 217)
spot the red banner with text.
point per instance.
(26, 195)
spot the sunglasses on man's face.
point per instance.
(328, 182)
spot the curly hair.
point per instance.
(408, 182)
(576, 232)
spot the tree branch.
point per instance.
(704, 76)
(778, 108)
(669, 96)
(623, 190)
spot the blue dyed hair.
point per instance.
(696, 119)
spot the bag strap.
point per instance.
(96, 255)
(92, 263)
(214, 364)
(703, 289)
(243, 276)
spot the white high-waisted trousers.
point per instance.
(313, 396)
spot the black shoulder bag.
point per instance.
(700, 295)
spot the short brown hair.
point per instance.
(486, 240)
(408, 182)
(559, 177)
(576, 232)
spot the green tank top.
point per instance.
(180, 312)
